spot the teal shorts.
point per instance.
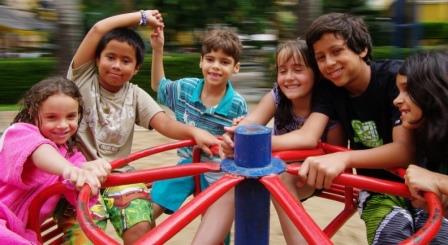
(171, 193)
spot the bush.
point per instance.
(18, 75)
(435, 31)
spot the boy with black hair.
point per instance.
(359, 93)
(102, 67)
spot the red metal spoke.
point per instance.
(178, 220)
(364, 183)
(37, 203)
(297, 155)
(304, 223)
(151, 151)
(432, 225)
(145, 176)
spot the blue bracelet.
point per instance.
(143, 18)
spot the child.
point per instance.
(209, 103)
(359, 93)
(423, 85)
(38, 150)
(106, 60)
(289, 103)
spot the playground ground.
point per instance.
(322, 210)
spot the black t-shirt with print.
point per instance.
(367, 119)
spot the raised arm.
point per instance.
(157, 70)
(86, 50)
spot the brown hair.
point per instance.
(297, 50)
(222, 39)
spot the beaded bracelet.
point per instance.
(143, 18)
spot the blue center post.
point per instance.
(253, 159)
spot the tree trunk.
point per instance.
(307, 11)
(68, 32)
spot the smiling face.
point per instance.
(58, 118)
(411, 114)
(294, 78)
(217, 67)
(337, 62)
(116, 65)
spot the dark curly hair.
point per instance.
(427, 85)
(39, 92)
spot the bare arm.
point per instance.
(306, 137)
(398, 153)
(320, 171)
(157, 70)
(48, 159)
(263, 112)
(176, 130)
(86, 50)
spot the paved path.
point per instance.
(6, 118)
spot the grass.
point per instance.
(9, 107)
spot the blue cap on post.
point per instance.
(252, 146)
(253, 156)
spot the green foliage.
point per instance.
(435, 30)
(250, 16)
(18, 75)
(391, 52)
(9, 107)
(176, 66)
(354, 6)
(190, 14)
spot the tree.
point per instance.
(307, 11)
(67, 35)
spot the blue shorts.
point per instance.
(171, 193)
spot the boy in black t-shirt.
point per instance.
(359, 93)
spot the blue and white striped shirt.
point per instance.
(183, 97)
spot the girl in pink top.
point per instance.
(38, 150)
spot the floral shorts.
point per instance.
(124, 206)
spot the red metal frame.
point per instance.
(51, 228)
(342, 190)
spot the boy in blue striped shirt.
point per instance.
(209, 103)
